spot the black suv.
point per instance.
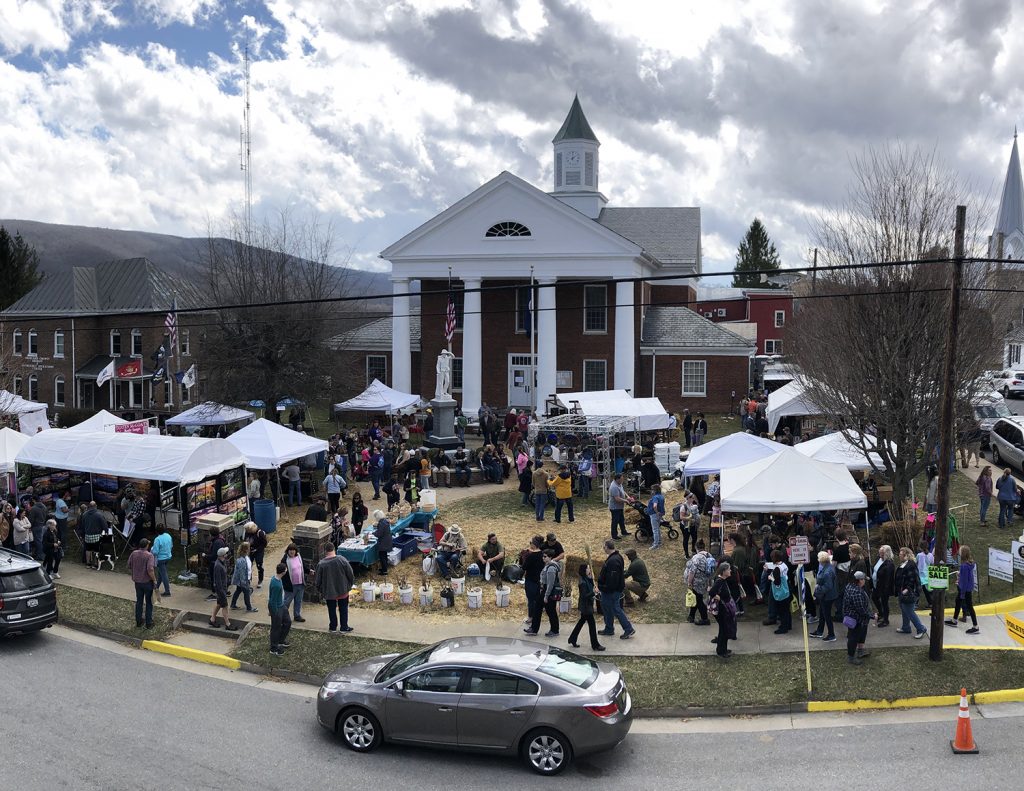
(28, 597)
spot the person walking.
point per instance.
(359, 511)
(162, 547)
(334, 484)
(551, 593)
(540, 490)
(217, 543)
(294, 581)
(585, 586)
(966, 584)
(856, 617)
(292, 474)
(724, 610)
(334, 580)
(562, 485)
(241, 578)
(257, 539)
(53, 549)
(908, 588)
(883, 576)
(1006, 489)
(142, 566)
(280, 622)
(656, 513)
(825, 593)
(698, 580)
(382, 531)
(611, 583)
(616, 507)
(925, 557)
(61, 511)
(984, 484)
(526, 480)
(532, 561)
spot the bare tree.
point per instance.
(870, 341)
(270, 352)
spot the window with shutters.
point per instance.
(588, 169)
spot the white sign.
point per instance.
(1000, 564)
(1017, 550)
(799, 550)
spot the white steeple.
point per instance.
(576, 163)
(1010, 218)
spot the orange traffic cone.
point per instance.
(964, 740)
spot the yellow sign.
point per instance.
(1015, 628)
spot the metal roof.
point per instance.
(575, 126)
(127, 285)
(1011, 205)
(374, 336)
(679, 327)
(671, 235)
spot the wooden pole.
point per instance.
(946, 419)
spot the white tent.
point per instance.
(649, 413)
(31, 414)
(267, 445)
(789, 481)
(178, 459)
(11, 442)
(733, 450)
(210, 414)
(101, 421)
(790, 400)
(378, 397)
(837, 449)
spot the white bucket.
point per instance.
(367, 588)
(474, 598)
(405, 595)
(458, 585)
(426, 597)
(428, 499)
(565, 604)
(387, 592)
(502, 596)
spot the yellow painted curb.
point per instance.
(984, 647)
(1000, 696)
(925, 701)
(992, 608)
(194, 654)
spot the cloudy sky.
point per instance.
(377, 114)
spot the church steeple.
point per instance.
(576, 163)
(1010, 218)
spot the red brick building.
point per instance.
(767, 309)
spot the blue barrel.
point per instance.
(265, 515)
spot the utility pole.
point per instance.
(946, 420)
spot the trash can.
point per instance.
(265, 515)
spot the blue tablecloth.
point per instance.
(368, 556)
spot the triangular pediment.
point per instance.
(555, 229)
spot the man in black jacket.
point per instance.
(217, 543)
(612, 583)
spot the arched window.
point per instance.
(508, 228)
(58, 391)
(17, 342)
(17, 385)
(33, 388)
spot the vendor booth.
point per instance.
(210, 414)
(648, 414)
(31, 414)
(733, 450)
(267, 445)
(378, 397)
(791, 400)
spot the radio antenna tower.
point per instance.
(245, 151)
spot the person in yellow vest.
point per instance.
(562, 486)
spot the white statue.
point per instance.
(444, 376)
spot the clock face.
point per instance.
(573, 159)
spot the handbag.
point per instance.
(691, 599)
(713, 608)
(794, 605)
(849, 622)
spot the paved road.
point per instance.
(81, 717)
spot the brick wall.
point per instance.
(724, 374)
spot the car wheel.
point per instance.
(546, 752)
(1006, 391)
(360, 730)
(996, 459)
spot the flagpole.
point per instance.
(172, 340)
(533, 338)
(450, 296)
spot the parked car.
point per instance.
(1007, 441)
(987, 412)
(1010, 383)
(486, 694)
(28, 597)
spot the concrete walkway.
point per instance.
(671, 639)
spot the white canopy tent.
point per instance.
(790, 400)
(789, 481)
(31, 414)
(178, 459)
(836, 448)
(210, 414)
(11, 442)
(267, 445)
(649, 413)
(733, 450)
(378, 397)
(101, 421)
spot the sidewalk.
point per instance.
(665, 639)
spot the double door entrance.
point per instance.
(522, 380)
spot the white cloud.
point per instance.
(40, 26)
(185, 12)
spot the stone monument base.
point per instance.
(443, 435)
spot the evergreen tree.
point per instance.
(757, 252)
(19, 268)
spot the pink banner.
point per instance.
(135, 427)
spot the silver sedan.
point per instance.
(488, 694)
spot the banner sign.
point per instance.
(799, 549)
(134, 427)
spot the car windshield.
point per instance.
(402, 663)
(993, 410)
(575, 669)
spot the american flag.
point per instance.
(449, 318)
(171, 324)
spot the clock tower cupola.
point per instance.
(576, 163)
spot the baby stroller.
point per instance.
(643, 532)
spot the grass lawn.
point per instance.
(110, 613)
(314, 653)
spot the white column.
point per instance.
(472, 355)
(625, 338)
(547, 342)
(401, 349)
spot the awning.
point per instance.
(101, 421)
(11, 442)
(210, 414)
(267, 445)
(378, 397)
(91, 369)
(733, 450)
(178, 459)
(649, 413)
